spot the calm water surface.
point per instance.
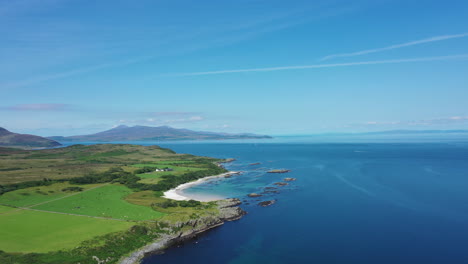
(351, 203)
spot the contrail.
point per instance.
(407, 44)
(316, 66)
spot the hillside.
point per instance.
(11, 139)
(84, 204)
(77, 160)
(146, 133)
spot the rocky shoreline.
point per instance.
(228, 211)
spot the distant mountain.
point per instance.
(146, 133)
(10, 139)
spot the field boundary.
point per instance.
(60, 198)
(30, 208)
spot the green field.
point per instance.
(32, 231)
(4, 209)
(164, 163)
(82, 201)
(154, 177)
(40, 194)
(107, 201)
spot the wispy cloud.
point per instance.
(97, 44)
(168, 114)
(164, 118)
(48, 77)
(37, 107)
(397, 46)
(317, 66)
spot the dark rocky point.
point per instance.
(267, 203)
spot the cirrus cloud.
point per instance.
(397, 46)
(37, 107)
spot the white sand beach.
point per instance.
(178, 194)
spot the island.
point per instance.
(101, 203)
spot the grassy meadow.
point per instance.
(33, 231)
(106, 201)
(4, 209)
(172, 214)
(154, 177)
(70, 203)
(41, 194)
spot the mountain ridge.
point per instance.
(11, 139)
(147, 133)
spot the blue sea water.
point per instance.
(351, 203)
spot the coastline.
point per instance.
(228, 211)
(129, 243)
(178, 194)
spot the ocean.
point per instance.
(351, 203)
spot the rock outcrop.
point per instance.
(267, 203)
(281, 183)
(289, 179)
(228, 210)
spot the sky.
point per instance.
(70, 67)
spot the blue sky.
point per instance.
(277, 67)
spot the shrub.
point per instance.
(72, 189)
(189, 203)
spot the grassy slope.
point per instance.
(40, 194)
(106, 201)
(173, 214)
(32, 231)
(23, 140)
